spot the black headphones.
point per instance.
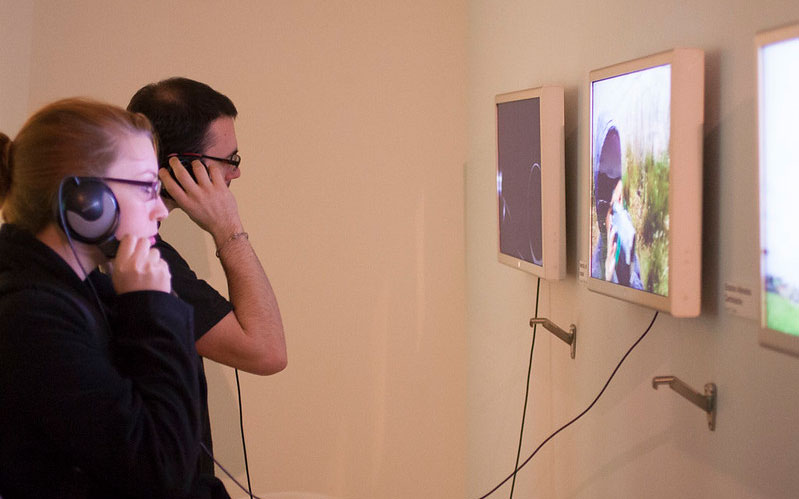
(88, 211)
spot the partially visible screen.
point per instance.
(779, 194)
(630, 184)
(519, 179)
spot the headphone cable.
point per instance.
(226, 472)
(579, 415)
(243, 441)
(527, 389)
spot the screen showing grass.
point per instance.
(779, 149)
(630, 194)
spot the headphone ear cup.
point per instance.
(87, 209)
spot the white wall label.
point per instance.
(582, 271)
(740, 300)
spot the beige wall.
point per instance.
(15, 57)
(352, 128)
(636, 442)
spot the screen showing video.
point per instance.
(519, 179)
(779, 194)
(630, 183)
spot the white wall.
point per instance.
(352, 129)
(636, 442)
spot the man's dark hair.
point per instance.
(181, 110)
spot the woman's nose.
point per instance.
(160, 211)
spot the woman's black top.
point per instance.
(93, 402)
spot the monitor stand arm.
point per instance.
(706, 402)
(570, 338)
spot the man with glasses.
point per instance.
(199, 157)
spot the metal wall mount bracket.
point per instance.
(570, 338)
(706, 402)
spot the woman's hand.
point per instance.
(138, 267)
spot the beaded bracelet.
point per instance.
(231, 238)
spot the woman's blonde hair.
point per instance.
(69, 137)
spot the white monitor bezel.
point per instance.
(553, 203)
(685, 182)
(768, 337)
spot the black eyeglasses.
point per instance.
(150, 188)
(234, 160)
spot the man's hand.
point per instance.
(208, 201)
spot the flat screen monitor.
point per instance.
(645, 156)
(530, 181)
(778, 153)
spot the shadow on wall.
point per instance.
(224, 407)
(192, 243)
(179, 231)
(619, 461)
